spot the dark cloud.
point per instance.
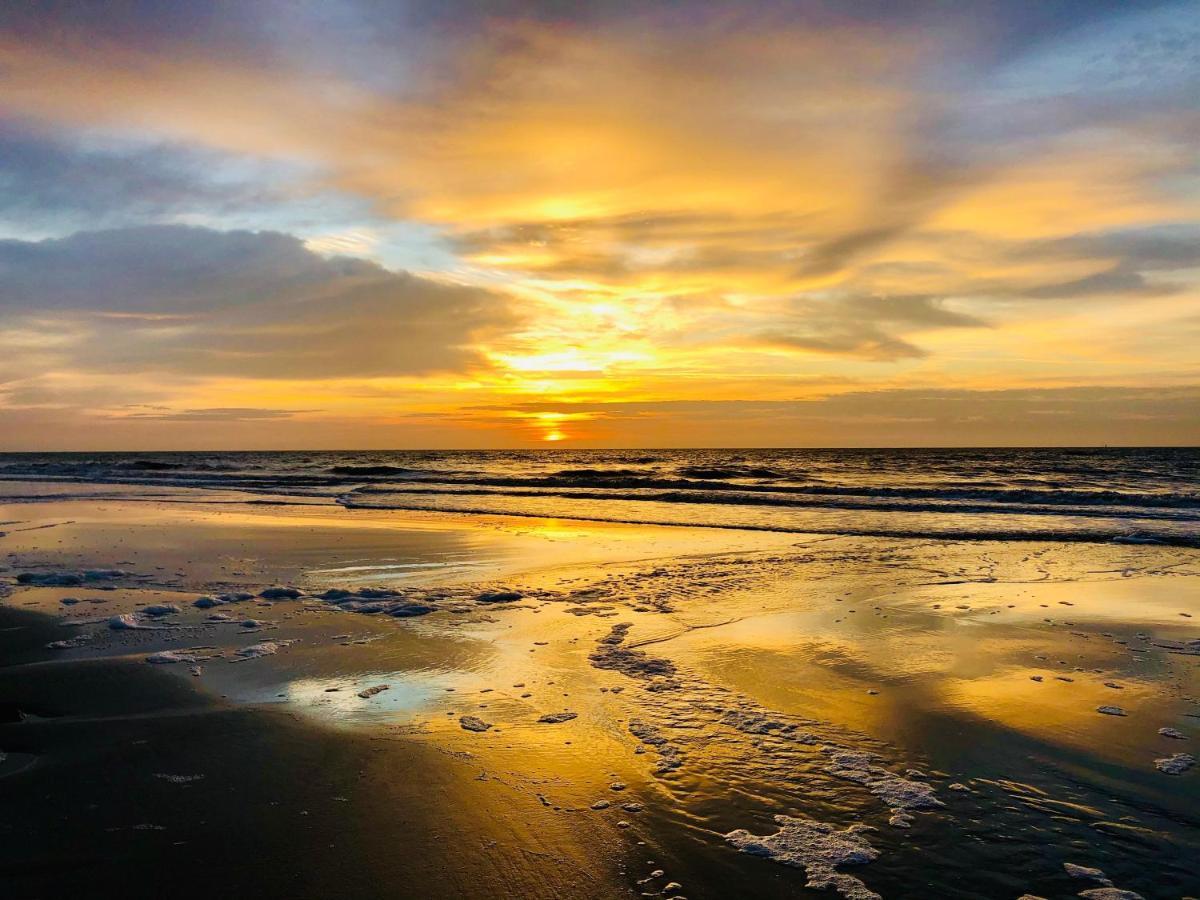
(222, 21)
(864, 326)
(161, 24)
(1140, 262)
(194, 301)
(52, 180)
(832, 255)
(1163, 247)
(1117, 280)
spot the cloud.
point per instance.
(769, 150)
(931, 402)
(1117, 280)
(624, 199)
(1147, 262)
(1154, 248)
(198, 302)
(51, 181)
(216, 414)
(865, 326)
(902, 417)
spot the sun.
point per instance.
(549, 426)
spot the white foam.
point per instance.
(817, 848)
(1176, 764)
(264, 648)
(167, 657)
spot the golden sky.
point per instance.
(351, 224)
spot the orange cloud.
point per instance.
(730, 208)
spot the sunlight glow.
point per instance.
(658, 236)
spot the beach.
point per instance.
(442, 704)
(600, 450)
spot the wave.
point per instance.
(583, 479)
(152, 465)
(1100, 494)
(374, 471)
(925, 531)
(597, 474)
(882, 503)
(706, 473)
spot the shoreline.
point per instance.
(1139, 496)
(204, 495)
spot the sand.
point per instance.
(447, 730)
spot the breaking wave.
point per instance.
(1134, 495)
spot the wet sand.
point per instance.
(722, 678)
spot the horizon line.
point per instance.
(562, 449)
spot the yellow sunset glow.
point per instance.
(654, 234)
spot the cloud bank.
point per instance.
(198, 302)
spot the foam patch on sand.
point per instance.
(1176, 764)
(168, 657)
(817, 848)
(752, 722)
(670, 757)
(900, 794)
(1106, 891)
(1087, 873)
(264, 648)
(77, 641)
(556, 718)
(610, 653)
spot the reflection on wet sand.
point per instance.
(650, 703)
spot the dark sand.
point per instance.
(755, 672)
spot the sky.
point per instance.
(363, 224)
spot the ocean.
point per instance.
(1130, 495)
